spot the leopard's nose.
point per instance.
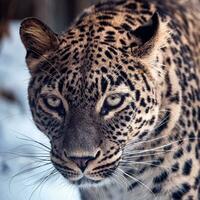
(82, 162)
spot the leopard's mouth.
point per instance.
(84, 182)
(97, 171)
(87, 178)
(95, 180)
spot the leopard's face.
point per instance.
(92, 108)
(93, 115)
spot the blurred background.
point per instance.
(25, 170)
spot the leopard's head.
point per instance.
(92, 97)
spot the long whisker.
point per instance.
(42, 181)
(36, 158)
(130, 144)
(138, 154)
(54, 172)
(29, 139)
(52, 169)
(38, 173)
(120, 179)
(163, 121)
(137, 180)
(124, 164)
(166, 145)
(27, 154)
(30, 169)
(24, 171)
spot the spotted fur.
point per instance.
(118, 95)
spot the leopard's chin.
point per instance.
(85, 181)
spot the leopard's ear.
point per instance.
(37, 38)
(153, 34)
(150, 38)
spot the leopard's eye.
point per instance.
(52, 102)
(112, 102)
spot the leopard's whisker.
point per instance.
(132, 155)
(42, 181)
(119, 179)
(28, 170)
(29, 139)
(166, 145)
(162, 122)
(130, 144)
(137, 180)
(31, 169)
(37, 174)
(149, 163)
(125, 182)
(31, 155)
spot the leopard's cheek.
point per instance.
(47, 122)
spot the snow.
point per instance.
(16, 126)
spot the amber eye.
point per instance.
(52, 102)
(112, 102)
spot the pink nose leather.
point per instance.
(82, 162)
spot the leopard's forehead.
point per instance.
(94, 55)
(86, 84)
(103, 34)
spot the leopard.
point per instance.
(118, 96)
